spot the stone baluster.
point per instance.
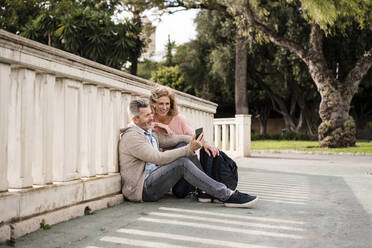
(5, 85)
(42, 164)
(88, 134)
(103, 102)
(243, 126)
(69, 114)
(21, 130)
(232, 137)
(211, 126)
(125, 115)
(208, 120)
(224, 137)
(217, 135)
(114, 131)
(193, 118)
(59, 129)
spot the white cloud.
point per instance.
(180, 26)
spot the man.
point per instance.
(148, 174)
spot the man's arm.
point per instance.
(167, 141)
(140, 148)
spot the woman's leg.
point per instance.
(161, 180)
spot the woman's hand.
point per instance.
(211, 150)
(164, 127)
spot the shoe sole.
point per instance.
(241, 205)
(205, 200)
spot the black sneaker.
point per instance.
(240, 200)
(203, 197)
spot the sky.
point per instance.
(180, 26)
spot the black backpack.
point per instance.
(221, 168)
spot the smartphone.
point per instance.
(198, 132)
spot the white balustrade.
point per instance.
(60, 117)
(236, 135)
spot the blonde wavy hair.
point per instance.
(161, 91)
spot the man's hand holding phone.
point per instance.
(209, 149)
(197, 140)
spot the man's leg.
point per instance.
(162, 179)
(182, 188)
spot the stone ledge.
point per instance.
(23, 227)
(4, 233)
(25, 203)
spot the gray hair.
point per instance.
(135, 105)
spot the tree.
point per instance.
(324, 17)
(146, 67)
(85, 28)
(136, 8)
(170, 6)
(15, 14)
(287, 85)
(169, 76)
(169, 47)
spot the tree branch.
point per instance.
(359, 71)
(212, 5)
(276, 39)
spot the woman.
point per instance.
(168, 120)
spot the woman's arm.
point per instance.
(164, 127)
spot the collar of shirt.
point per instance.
(149, 136)
(148, 132)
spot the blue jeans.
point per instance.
(158, 183)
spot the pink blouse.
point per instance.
(178, 124)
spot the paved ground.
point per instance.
(305, 201)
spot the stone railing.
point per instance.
(233, 135)
(60, 117)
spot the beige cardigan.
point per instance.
(135, 150)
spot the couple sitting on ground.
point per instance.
(148, 174)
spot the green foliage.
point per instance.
(15, 14)
(146, 67)
(169, 47)
(327, 14)
(298, 145)
(342, 51)
(207, 62)
(169, 76)
(341, 13)
(83, 27)
(286, 136)
(44, 225)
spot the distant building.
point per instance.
(150, 50)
